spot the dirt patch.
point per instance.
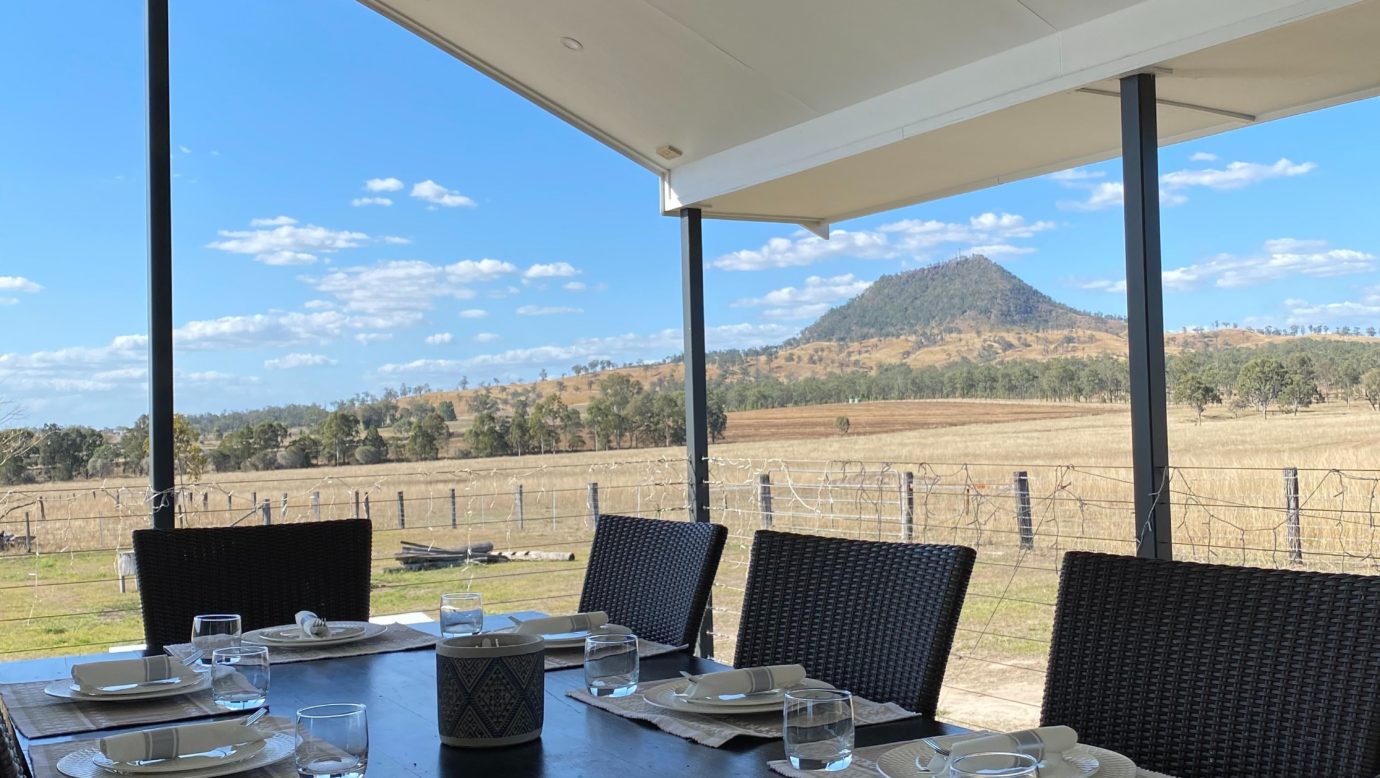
(875, 418)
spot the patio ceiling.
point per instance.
(812, 111)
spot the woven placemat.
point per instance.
(715, 731)
(395, 637)
(37, 714)
(44, 758)
(566, 658)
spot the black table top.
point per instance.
(577, 739)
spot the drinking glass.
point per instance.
(819, 729)
(462, 614)
(332, 740)
(611, 665)
(994, 765)
(239, 676)
(212, 631)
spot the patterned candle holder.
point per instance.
(489, 690)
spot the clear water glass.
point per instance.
(462, 614)
(332, 740)
(239, 676)
(819, 729)
(994, 765)
(214, 630)
(611, 665)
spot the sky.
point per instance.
(353, 209)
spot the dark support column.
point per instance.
(160, 270)
(696, 413)
(1145, 316)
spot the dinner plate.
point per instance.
(905, 761)
(573, 639)
(82, 764)
(667, 696)
(66, 689)
(290, 635)
(138, 689)
(225, 755)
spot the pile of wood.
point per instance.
(8, 541)
(420, 556)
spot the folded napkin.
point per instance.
(557, 625)
(1046, 744)
(312, 626)
(118, 672)
(743, 681)
(170, 742)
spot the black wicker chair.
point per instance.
(12, 761)
(875, 618)
(265, 574)
(1211, 671)
(653, 576)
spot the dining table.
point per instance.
(577, 739)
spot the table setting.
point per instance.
(311, 637)
(563, 636)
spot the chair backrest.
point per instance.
(1211, 671)
(264, 573)
(12, 762)
(652, 575)
(875, 618)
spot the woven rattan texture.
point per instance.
(1210, 671)
(875, 618)
(653, 576)
(12, 763)
(264, 573)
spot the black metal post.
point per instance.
(1145, 316)
(161, 455)
(696, 409)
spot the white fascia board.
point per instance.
(1134, 38)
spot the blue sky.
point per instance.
(354, 209)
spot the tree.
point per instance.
(339, 433)
(447, 410)
(717, 416)
(841, 424)
(1261, 381)
(427, 437)
(373, 449)
(488, 434)
(1193, 391)
(190, 458)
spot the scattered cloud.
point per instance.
(274, 221)
(281, 241)
(363, 201)
(473, 313)
(389, 184)
(366, 338)
(19, 284)
(574, 286)
(1203, 156)
(818, 295)
(395, 240)
(1281, 258)
(551, 270)
(434, 193)
(1365, 310)
(1103, 285)
(546, 310)
(1107, 194)
(486, 337)
(296, 360)
(264, 330)
(440, 338)
(77, 368)
(1077, 174)
(1174, 185)
(406, 287)
(318, 305)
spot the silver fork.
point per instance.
(192, 657)
(258, 714)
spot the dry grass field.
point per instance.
(1227, 492)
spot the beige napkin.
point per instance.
(169, 742)
(557, 625)
(745, 680)
(1046, 744)
(312, 626)
(118, 672)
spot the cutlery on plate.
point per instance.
(934, 746)
(258, 714)
(192, 657)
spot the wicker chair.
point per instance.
(12, 762)
(1210, 671)
(875, 618)
(265, 574)
(653, 576)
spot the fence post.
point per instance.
(267, 510)
(366, 507)
(1291, 506)
(42, 512)
(592, 500)
(316, 505)
(764, 499)
(907, 506)
(229, 504)
(454, 517)
(357, 513)
(402, 512)
(253, 498)
(28, 535)
(517, 504)
(205, 502)
(282, 514)
(1021, 483)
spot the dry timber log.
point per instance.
(528, 555)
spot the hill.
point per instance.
(963, 294)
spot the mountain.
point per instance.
(965, 293)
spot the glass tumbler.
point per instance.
(462, 614)
(214, 630)
(819, 729)
(994, 765)
(611, 665)
(239, 676)
(332, 740)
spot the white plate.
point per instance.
(226, 755)
(665, 696)
(82, 764)
(290, 635)
(137, 689)
(67, 690)
(572, 639)
(904, 762)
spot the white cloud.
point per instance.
(1076, 174)
(1173, 185)
(1107, 194)
(287, 258)
(1282, 258)
(1104, 285)
(395, 240)
(295, 360)
(286, 243)
(406, 286)
(318, 305)
(389, 184)
(184, 149)
(362, 201)
(275, 221)
(1203, 156)
(264, 330)
(913, 239)
(551, 270)
(546, 310)
(365, 338)
(19, 284)
(486, 337)
(77, 368)
(574, 286)
(439, 339)
(818, 295)
(434, 193)
(1365, 310)
(473, 313)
